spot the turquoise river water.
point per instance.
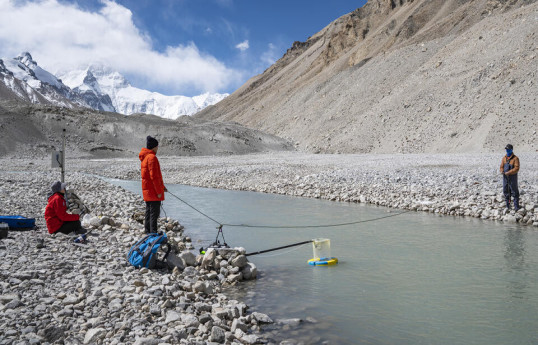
(416, 278)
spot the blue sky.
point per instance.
(174, 47)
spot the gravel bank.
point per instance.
(451, 184)
(53, 291)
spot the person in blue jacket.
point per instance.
(509, 169)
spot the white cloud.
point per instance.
(64, 36)
(270, 56)
(243, 46)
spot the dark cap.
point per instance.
(509, 147)
(151, 142)
(57, 186)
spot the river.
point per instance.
(415, 278)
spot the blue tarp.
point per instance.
(16, 222)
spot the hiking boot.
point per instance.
(516, 204)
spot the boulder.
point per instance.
(250, 339)
(172, 316)
(188, 258)
(509, 219)
(209, 257)
(190, 320)
(147, 341)
(238, 324)
(261, 318)
(249, 271)
(239, 261)
(94, 335)
(235, 277)
(218, 335)
(105, 220)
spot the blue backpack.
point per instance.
(144, 252)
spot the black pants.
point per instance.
(510, 188)
(153, 210)
(69, 227)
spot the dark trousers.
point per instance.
(69, 227)
(510, 189)
(153, 210)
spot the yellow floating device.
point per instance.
(323, 261)
(322, 253)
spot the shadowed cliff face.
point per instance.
(401, 76)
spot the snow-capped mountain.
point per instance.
(95, 87)
(28, 81)
(90, 93)
(16, 88)
(31, 83)
(128, 99)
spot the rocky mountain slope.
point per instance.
(403, 76)
(36, 130)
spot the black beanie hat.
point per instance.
(151, 142)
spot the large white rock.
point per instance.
(261, 318)
(209, 257)
(93, 335)
(239, 261)
(249, 339)
(95, 221)
(509, 219)
(188, 258)
(189, 320)
(249, 271)
(172, 316)
(147, 341)
(238, 324)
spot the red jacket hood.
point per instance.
(144, 152)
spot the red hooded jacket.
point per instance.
(152, 179)
(56, 213)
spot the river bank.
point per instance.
(467, 185)
(90, 295)
(53, 291)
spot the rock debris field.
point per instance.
(53, 291)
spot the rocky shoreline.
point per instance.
(468, 185)
(55, 291)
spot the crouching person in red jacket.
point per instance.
(58, 220)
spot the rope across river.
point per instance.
(287, 226)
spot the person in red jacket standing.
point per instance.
(152, 183)
(56, 216)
